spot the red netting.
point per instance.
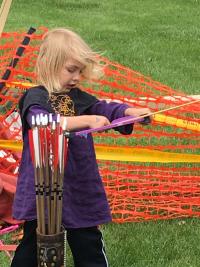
(143, 177)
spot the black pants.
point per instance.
(86, 245)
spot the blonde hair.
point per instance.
(58, 46)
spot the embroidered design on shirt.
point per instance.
(62, 104)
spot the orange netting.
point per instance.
(159, 177)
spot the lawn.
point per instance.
(160, 39)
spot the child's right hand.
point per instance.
(97, 121)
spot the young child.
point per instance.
(64, 59)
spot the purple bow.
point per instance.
(116, 123)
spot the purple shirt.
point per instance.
(84, 199)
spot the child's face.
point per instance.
(70, 74)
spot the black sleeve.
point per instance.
(34, 96)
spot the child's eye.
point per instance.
(71, 70)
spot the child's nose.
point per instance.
(76, 76)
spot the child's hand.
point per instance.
(137, 112)
(81, 122)
(97, 121)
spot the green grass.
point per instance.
(4, 260)
(173, 243)
(154, 244)
(159, 39)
